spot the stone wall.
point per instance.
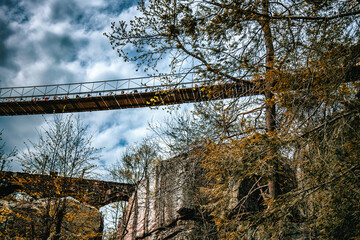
(165, 206)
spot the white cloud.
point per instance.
(127, 125)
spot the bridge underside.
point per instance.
(136, 99)
(93, 192)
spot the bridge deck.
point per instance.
(135, 98)
(94, 192)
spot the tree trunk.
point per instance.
(269, 104)
(59, 218)
(47, 222)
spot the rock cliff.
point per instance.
(165, 205)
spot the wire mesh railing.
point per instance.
(99, 88)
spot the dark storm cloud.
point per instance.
(13, 7)
(14, 11)
(5, 32)
(70, 11)
(56, 74)
(10, 11)
(62, 47)
(6, 54)
(9, 3)
(66, 9)
(85, 14)
(115, 6)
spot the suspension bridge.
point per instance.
(116, 94)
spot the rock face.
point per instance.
(165, 205)
(35, 220)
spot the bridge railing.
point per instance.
(99, 88)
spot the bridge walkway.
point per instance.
(114, 94)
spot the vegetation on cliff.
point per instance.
(291, 150)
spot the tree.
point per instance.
(64, 149)
(134, 166)
(5, 158)
(177, 134)
(302, 56)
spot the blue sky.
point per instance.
(61, 41)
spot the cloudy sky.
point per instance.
(61, 41)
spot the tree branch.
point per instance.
(309, 18)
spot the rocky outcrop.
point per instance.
(36, 219)
(165, 205)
